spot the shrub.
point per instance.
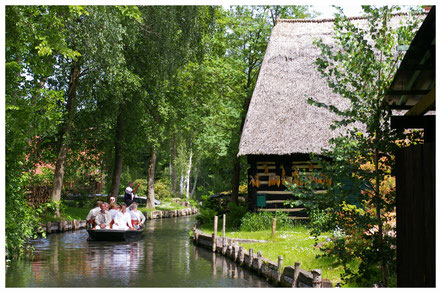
(235, 214)
(264, 221)
(162, 190)
(319, 221)
(206, 216)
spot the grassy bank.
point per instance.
(294, 245)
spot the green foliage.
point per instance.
(264, 221)
(206, 215)
(131, 62)
(162, 190)
(20, 219)
(359, 66)
(320, 221)
(235, 214)
(44, 179)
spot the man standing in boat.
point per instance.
(129, 195)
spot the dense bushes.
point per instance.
(264, 221)
(219, 206)
(238, 217)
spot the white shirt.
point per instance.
(129, 190)
(92, 213)
(122, 220)
(113, 213)
(138, 215)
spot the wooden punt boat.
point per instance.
(114, 235)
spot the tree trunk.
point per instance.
(174, 171)
(150, 204)
(117, 168)
(235, 180)
(187, 179)
(196, 174)
(181, 183)
(62, 155)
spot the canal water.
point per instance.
(164, 257)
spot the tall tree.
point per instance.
(161, 49)
(85, 35)
(31, 106)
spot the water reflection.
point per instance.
(164, 257)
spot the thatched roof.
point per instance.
(279, 119)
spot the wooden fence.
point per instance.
(288, 276)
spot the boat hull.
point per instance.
(113, 235)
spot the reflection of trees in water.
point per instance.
(94, 261)
(164, 257)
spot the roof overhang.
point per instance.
(413, 87)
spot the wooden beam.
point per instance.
(425, 104)
(286, 192)
(274, 192)
(280, 209)
(275, 201)
(407, 92)
(401, 107)
(412, 121)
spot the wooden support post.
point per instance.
(214, 234)
(48, 227)
(316, 278)
(279, 268)
(241, 255)
(229, 251)
(251, 258)
(235, 252)
(224, 246)
(224, 219)
(259, 261)
(274, 228)
(296, 274)
(195, 235)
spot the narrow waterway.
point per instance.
(164, 257)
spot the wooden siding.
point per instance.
(265, 167)
(416, 216)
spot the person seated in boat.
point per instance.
(112, 200)
(123, 219)
(103, 218)
(90, 218)
(129, 194)
(138, 217)
(114, 209)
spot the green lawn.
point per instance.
(71, 213)
(165, 205)
(295, 245)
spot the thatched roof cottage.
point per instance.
(281, 129)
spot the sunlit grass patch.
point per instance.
(295, 245)
(166, 205)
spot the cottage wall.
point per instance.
(268, 178)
